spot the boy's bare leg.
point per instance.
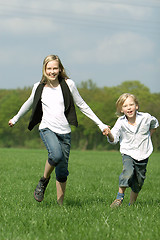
(61, 186)
(119, 199)
(122, 189)
(133, 197)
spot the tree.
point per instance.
(87, 136)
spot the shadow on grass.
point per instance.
(95, 201)
(148, 202)
(84, 202)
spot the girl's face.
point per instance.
(52, 70)
(129, 108)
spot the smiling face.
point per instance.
(52, 70)
(129, 108)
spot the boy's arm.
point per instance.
(154, 124)
(152, 131)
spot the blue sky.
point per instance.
(107, 41)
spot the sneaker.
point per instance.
(116, 203)
(40, 189)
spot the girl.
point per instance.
(52, 101)
(133, 130)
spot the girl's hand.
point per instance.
(10, 123)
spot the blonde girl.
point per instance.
(52, 102)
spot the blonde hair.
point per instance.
(122, 99)
(62, 72)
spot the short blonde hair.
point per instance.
(62, 73)
(122, 99)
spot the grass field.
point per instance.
(86, 215)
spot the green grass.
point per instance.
(92, 186)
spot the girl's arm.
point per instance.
(84, 108)
(24, 108)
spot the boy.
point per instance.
(133, 130)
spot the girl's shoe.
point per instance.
(40, 189)
(116, 203)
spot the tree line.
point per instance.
(87, 136)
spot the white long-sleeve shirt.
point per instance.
(135, 141)
(53, 108)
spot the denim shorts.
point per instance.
(58, 147)
(133, 174)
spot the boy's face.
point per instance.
(129, 108)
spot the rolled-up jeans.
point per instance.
(133, 174)
(58, 147)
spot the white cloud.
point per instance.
(27, 25)
(18, 56)
(118, 48)
(22, 16)
(152, 67)
(108, 9)
(95, 33)
(133, 11)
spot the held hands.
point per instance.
(10, 123)
(107, 133)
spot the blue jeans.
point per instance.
(58, 147)
(133, 174)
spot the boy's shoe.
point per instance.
(116, 203)
(40, 189)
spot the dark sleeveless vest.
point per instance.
(69, 112)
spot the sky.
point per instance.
(107, 41)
